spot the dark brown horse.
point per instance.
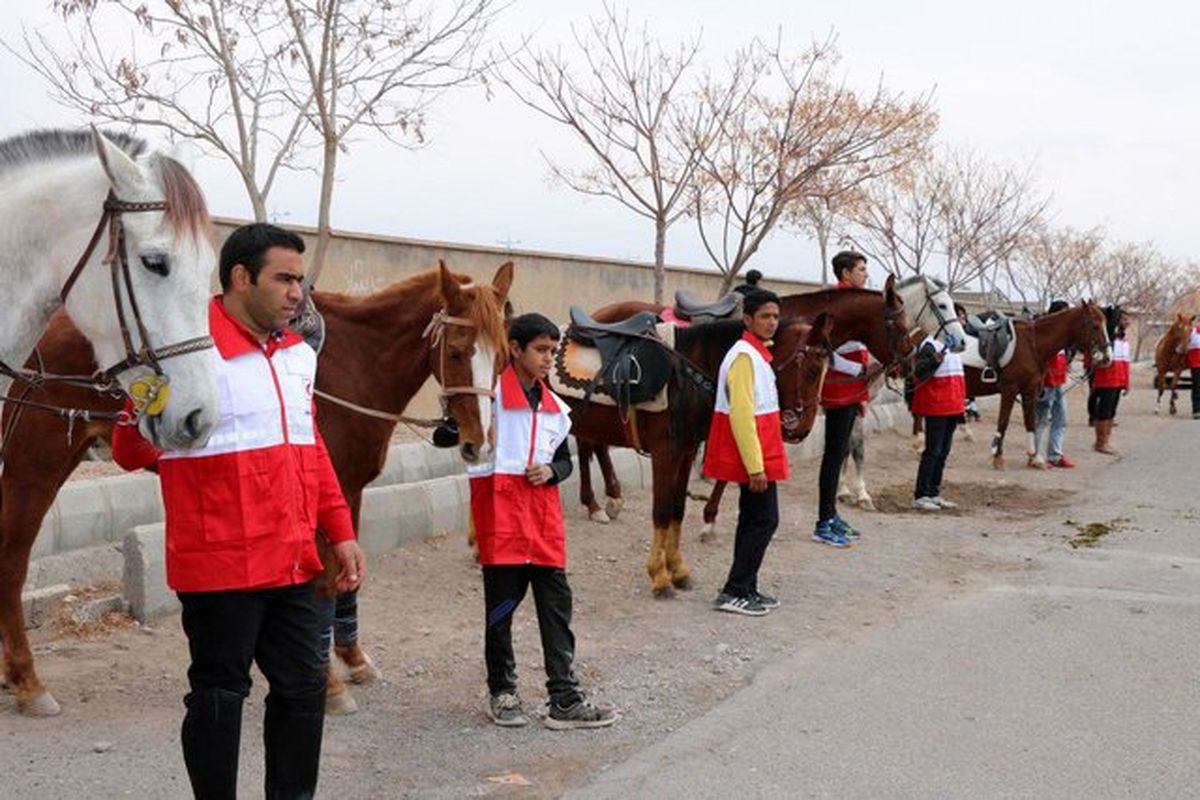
(875, 318)
(1081, 327)
(375, 355)
(1170, 358)
(672, 437)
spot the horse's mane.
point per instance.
(52, 144)
(849, 291)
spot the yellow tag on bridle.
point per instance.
(150, 394)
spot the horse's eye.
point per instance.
(156, 263)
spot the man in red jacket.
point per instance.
(1193, 361)
(241, 520)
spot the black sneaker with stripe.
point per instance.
(747, 606)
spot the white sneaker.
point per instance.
(926, 504)
(944, 503)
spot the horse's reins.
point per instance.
(149, 394)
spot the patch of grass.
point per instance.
(1090, 533)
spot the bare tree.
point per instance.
(358, 66)
(793, 130)
(202, 71)
(1052, 263)
(956, 216)
(626, 98)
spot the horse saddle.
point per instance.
(692, 309)
(634, 362)
(991, 340)
(309, 324)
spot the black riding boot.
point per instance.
(211, 734)
(292, 731)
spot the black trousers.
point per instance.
(839, 423)
(280, 630)
(758, 517)
(1092, 401)
(939, 435)
(503, 589)
(1107, 401)
(1196, 390)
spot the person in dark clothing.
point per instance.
(940, 397)
(751, 284)
(519, 529)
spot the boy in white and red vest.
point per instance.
(519, 529)
(1193, 361)
(745, 446)
(1052, 408)
(940, 397)
(242, 515)
(844, 396)
(1110, 382)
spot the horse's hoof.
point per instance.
(600, 517)
(40, 705)
(997, 463)
(683, 583)
(664, 592)
(968, 434)
(1037, 463)
(708, 533)
(867, 504)
(613, 506)
(341, 704)
(845, 497)
(365, 672)
(917, 445)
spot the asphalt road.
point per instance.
(1074, 677)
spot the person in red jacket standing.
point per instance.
(1051, 426)
(1193, 360)
(519, 529)
(940, 397)
(1110, 382)
(242, 514)
(745, 446)
(844, 396)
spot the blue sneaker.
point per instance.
(825, 533)
(844, 528)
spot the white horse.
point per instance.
(55, 186)
(930, 310)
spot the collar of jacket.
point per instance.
(233, 339)
(759, 345)
(513, 393)
(844, 284)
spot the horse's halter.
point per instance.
(942, 321)
(434, 333)
(149, 394)
(790, 417)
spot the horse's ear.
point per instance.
(502, 281)
(889, 291)
(823, 324)
(124, 175)
(451, 291)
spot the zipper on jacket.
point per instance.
(279, 395)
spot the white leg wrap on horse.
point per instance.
(600, 516)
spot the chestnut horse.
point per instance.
(875, 318)
(672, 437)
(1170, 356)
(375, 355)
(1081, 327)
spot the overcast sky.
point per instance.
(1102, 97)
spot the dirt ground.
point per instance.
(421, 731)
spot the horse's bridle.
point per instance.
(943, 323)
(790, 417)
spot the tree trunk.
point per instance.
(258, 202)
(823, 244)
(727, 282)
(660, 250)
(324, 230)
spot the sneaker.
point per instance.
(926, 504)
(944, 503)
(845, 528)
(1196, 415)
(748, 606)
(505, 710)
(581, 714)
(825, 533)
(1062, 462)
(765, 600)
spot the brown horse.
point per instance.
(672, 437)
(1081, 327)
(1170, 357)
(375, 355)
(875, 318)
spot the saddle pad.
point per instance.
(971, 358)
(576, 365)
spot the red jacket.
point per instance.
(1193, 353)
(1116, 374)
(515, 521)
(846, 386)
(944, 393)
(722, 459)
(1056, 371)
(242, 511)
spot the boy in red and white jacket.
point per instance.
(518, 521)
(242, 514)
(1109, 382)
(1193, 361)
(940, 397)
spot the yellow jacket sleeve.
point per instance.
(740, 380)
